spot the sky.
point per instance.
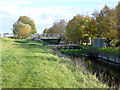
(46, 12)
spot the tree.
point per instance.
(118, 15)
(92, 29)
(24, 27)
(58, 27)
(106, 24)
(27, 20)
(77, 30)
(45, 30)
(22, 30)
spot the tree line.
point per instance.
(104, 24)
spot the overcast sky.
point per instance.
(46, 12)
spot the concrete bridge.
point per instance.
(52, 38)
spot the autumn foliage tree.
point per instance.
(24, 27)
(22, 30)
(80, 28)
(107, 25)
(45, 30)
(104, 24)
(57, 27)
(27, 20)
(118, 15)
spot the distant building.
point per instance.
(8, 35)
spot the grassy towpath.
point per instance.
(28, 64)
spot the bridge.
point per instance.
(52, 38)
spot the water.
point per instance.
(106, 72)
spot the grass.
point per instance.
(73, 52)
(92, 51)
(29, 64)
(111, 51)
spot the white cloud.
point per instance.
(44, 17)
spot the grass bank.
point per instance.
(92, 51)
(29, 64)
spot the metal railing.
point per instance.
(50, 35)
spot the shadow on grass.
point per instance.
(12, 37)
(34, 46)
(23, 42)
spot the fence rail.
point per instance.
(50, 35)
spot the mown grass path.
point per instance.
(28, 64)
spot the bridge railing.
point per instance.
(50, 35)
(45, 36)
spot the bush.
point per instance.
(73, 52)
(92, 51)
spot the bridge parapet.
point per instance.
(45, 36)
(50, 35)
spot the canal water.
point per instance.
(106, 72)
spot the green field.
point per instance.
(29, 64)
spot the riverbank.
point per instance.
(107, 72)
(30, 64)
(111, 54)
